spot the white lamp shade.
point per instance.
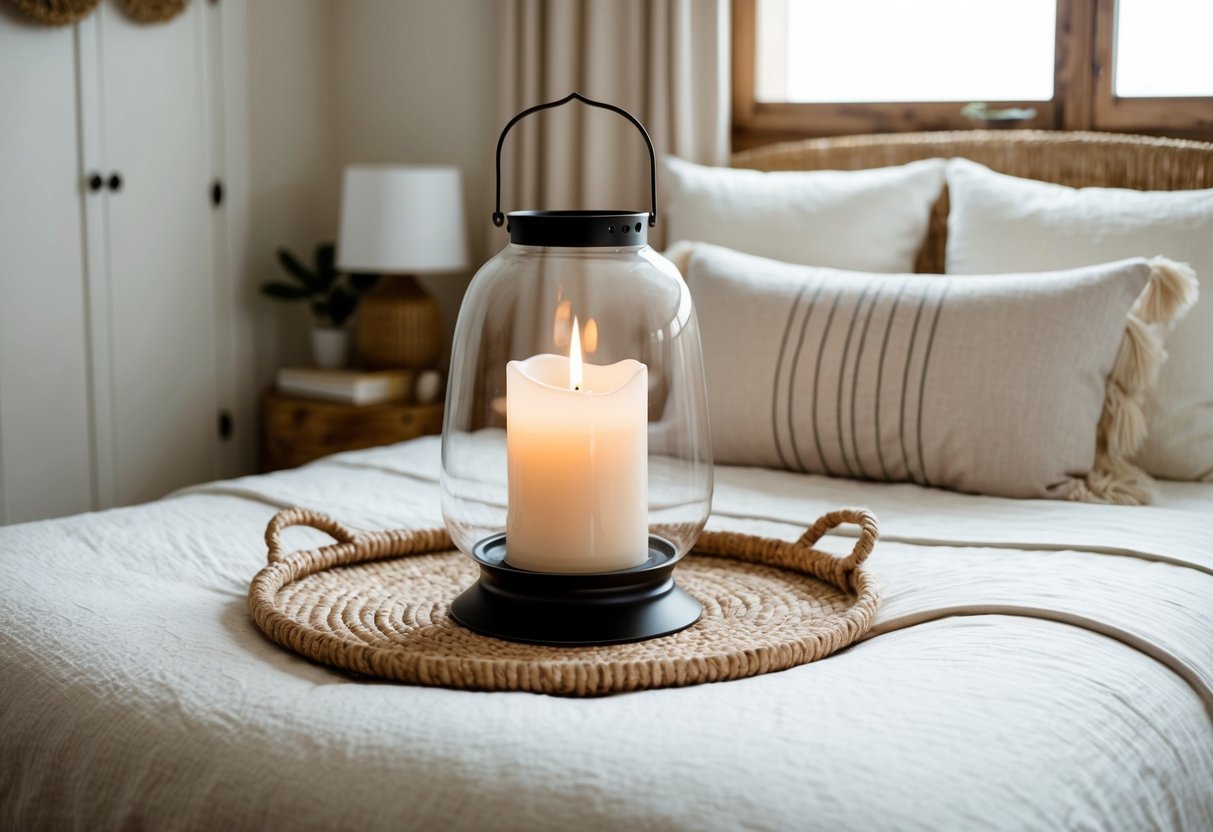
(402, 219)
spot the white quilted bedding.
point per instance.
(1035, 665)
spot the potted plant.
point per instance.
(333, 297)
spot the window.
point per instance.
(1159, 68)
(823, 67)
(891, 50)
(1162, 49)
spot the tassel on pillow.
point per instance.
(1171, 291)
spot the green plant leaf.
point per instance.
(326, 272)
(362, 282)
(284, 291)
(341, 305)
(320, 311)
(297, 270)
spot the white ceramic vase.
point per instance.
(428, 387)
(330, 347)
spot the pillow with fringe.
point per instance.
(1000, 223)
(1023, 385)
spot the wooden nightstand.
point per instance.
(295, 430)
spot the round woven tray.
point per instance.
(375, 603)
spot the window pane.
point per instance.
(905, 50)
(1163, 48)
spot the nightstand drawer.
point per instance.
(295, 430)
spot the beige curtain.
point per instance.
(664, 61)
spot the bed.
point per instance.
(1035, 664)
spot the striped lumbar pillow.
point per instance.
(1023, 385)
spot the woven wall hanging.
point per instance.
(54, 12)
(153, 11)
(375, 604)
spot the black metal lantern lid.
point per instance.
(579, 228)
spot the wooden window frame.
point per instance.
(1174, 116)
(1082, 93)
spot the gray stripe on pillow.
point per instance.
(905, 379)
(798, 464)
(884, 345)
(926, 363)
(795, 363)
(838, 400)
(783, 347)
(796, 461)
(863, 339)
(821, 349)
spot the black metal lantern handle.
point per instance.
(499, 218)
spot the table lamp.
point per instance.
(401, 221)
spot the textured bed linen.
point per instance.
(135, 691)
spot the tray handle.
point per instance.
(869, 531)
(302, 517)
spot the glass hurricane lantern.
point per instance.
(576, 458)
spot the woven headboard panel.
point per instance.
(1106, 160)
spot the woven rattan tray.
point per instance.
(375, 603)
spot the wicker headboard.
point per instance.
(1106, 160)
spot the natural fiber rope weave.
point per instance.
(55, 12)
(375, 603)
(153, 11)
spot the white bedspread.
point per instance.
(1057, 681)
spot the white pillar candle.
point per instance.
(577, 443)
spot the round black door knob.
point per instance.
(115, 182)
(95, 182)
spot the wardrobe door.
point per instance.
(45, 467)
(162, 290)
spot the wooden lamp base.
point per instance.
(399, 325)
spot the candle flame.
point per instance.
(575, 357)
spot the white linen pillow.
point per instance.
(1000, 223)
(979, 384)
(867, 220)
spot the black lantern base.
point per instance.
(575, 608)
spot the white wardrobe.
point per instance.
(115, 350)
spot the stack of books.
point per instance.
(347, 386)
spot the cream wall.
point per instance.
(278, 169)
(337, 82)
(415, 81)
(318, 84)
(293, 196)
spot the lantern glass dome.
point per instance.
(576, 459)
(625, 305)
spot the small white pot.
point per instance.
(428, 387)
(330, 347)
